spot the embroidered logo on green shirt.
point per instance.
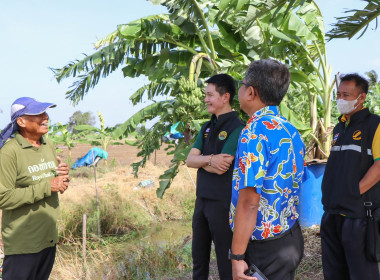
(222, 135)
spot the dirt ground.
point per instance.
(122, 154)
(121, 157)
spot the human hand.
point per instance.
(62, 171)
(238, 268)
(60, 183)
(221, 162)
(63, 168)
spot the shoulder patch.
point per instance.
(335, 138)
(222, 135)
(207, 131)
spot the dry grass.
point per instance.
(144, 209)
(310, 267)
(119, 192)
(125, 184)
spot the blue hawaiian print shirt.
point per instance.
(270, 158)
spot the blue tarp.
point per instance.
(174, 133)
(90, 157)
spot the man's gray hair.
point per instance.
(270, 79)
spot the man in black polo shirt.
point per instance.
(350, 179)
(213, 154)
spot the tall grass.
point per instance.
(113, 261)
(129, 217)
(125, 213)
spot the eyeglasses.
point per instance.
(240, 82)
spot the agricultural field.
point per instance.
(136, 225)
(114, 225)
(154, 233)
(142, 236)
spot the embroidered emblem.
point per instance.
(335, 138)
(222, 135)
(205, 134)
(357, 135)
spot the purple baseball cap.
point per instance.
(29, 106)
(22, 106)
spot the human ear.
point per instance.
(20, 121)
(252, 93)
(226, 97)
(364, 96)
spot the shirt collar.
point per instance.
(222, 116)
(25, 143)
(268, 110)
(362, 112)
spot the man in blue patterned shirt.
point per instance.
(266, 179)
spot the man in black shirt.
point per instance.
(213, 154)
(349, 178)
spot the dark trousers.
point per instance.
(36, 266)
(210, 224)
(343, 245)
(277, 257)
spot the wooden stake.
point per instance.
(97, 203)
(84, 241)
(191, 177)
(95, 162)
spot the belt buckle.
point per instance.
(368, 205)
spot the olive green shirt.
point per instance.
(229, 147)
(29, 208)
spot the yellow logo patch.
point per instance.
(222, 135)
(357, 135)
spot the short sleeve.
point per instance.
(232, 141)
(376, 144)
(198, 144)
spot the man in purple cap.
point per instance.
(31, 176)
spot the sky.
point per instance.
(38, 34)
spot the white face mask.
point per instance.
(345, 106)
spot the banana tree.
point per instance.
(292, 32)
(350, 25)
(195, 40)
(373, 96)
(102, 136)
(60, 134)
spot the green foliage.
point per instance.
(102, 136)
(60, 134)
(357, 20)
(195, 40)
(372, 78)
(124, 257)
(373, 96)
(180, 154)
(152, 261)
(79, 118)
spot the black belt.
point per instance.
(289, 231)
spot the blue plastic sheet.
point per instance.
(90, 157)
(310, 206)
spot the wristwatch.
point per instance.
(235, 257)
